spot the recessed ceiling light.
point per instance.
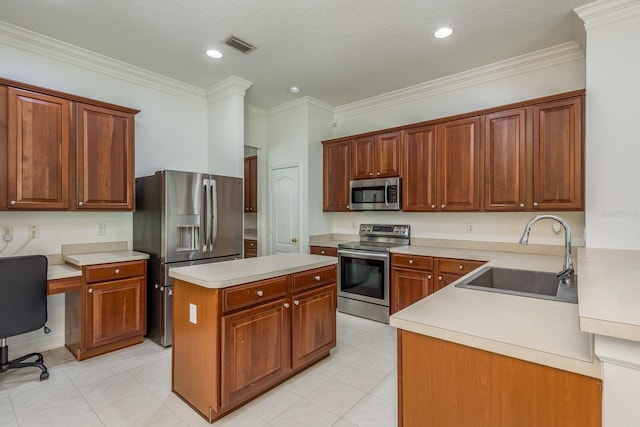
(214, 53)
(294, 89)
(443, 33)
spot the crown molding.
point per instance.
(555, 55)
(306, 104)
(232, 85)
(605, 12)
(256, 112)
(30, 41)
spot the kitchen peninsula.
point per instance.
(243, 326)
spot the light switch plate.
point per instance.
(193, 314)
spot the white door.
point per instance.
(285, 211)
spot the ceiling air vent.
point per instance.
(241, 45)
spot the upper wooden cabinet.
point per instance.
(458, 165)
(251, 184)
(335, 176)
(105, 158)
(38, 150)
(62, 151)
(419, 169)
(505, 160)
(557, 155)
(376, 156)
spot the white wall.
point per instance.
(612, 144)
(552, 71)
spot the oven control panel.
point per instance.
(384, 230)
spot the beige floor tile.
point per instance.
(372, 411)
(335, 396)
(305, 414)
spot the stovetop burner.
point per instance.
(379, 238)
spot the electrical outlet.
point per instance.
(101, 230)
(33, 232)
(7, 234)
(469, 228)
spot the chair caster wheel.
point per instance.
(44, 376)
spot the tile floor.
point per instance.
(355, 386)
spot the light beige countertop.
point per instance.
(540, 331)
(62, 271)
(327, 243)
(609, 291)
(236, 272)
(104, 257)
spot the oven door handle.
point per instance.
(364, 255)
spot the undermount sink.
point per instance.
(535, 284)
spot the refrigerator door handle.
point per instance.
(214, 213)
(205, 215)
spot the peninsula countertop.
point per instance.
(536, 330)
(237, 272)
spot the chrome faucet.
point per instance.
(567, 273)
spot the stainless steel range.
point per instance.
(364, 270)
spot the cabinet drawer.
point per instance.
(457, 266)
(120, 270)
(250, 244)
(250, 253)
(323, 250)
(253, 293)
(315, 277)
(412, 261)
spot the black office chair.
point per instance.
(23, 306)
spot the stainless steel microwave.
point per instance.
(378, 194)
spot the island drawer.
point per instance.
(457, 266)
(315, 277)
(114, 271)
(247, 295)
(323, 250)
(412, 261)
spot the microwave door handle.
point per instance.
(214, 212)
(386, 192)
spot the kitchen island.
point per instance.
(241, 327)
(470, 357)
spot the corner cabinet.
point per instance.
(266, 332)
(109, 311)
(336, 174)
(64, 152)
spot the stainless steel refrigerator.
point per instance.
(183, 218)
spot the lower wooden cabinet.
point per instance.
(323, 250)
(447, 384)
(266, 332)
(416, 277)
(250, 248)
(109, 310)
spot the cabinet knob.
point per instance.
(12, 203)
(440, 278)
(296, 302)
(378, 173)
(461, 267)
(117, 271)
(429, 277)
(433, 206)
(80, 203)
(535, 204)
(286, 305)
(410, 261)
(322, 252)
(442, 206)
(259, 293)
(522, 205)
(90, 290)
(347, 206)
(317, 278)
(370, 173)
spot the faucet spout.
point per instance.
(568, 268)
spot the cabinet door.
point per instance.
(313, 324)
(409, 286)
(445, 279)
(419, 170)
(505, 160)
(362, 157)
(251, 184)
(387, 155)
(557, 155)
(254, 350)
(335, 176)
(458, 165)
(114, 311)
(38, 156)
(105, 158)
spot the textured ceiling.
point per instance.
(338, 51)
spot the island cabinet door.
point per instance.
(313, 325)
(254, 350)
